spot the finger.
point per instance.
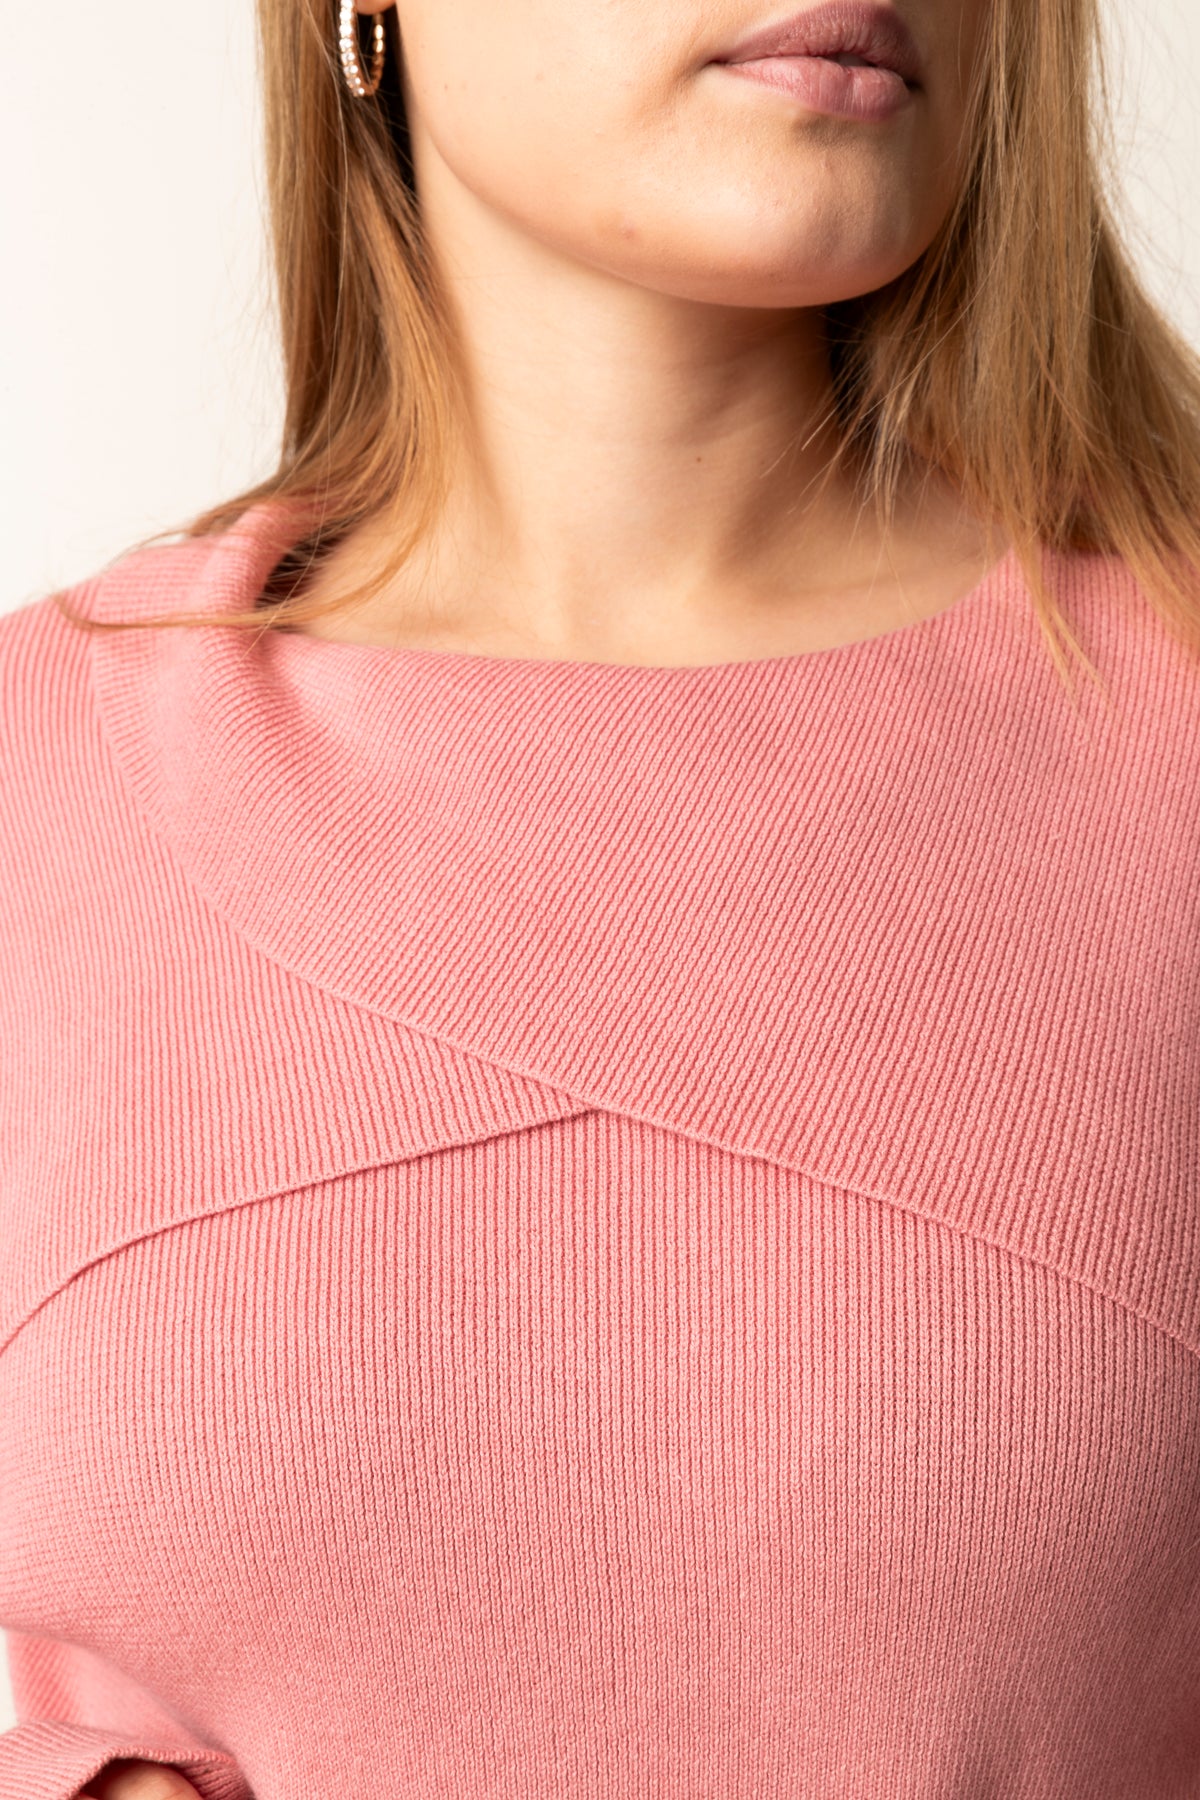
(135, 1779)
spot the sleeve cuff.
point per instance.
(44, 1759)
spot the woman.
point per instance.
(600, 1156)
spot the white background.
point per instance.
(139, 379)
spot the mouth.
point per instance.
(851, 33)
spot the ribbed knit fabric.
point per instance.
(577, 1232)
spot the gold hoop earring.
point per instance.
(356, 81)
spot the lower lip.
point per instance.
(829, 87)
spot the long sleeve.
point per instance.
(76, 1712)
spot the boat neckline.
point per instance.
(958, 613)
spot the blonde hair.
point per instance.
(1021, 354)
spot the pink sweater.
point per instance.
(575, 1232)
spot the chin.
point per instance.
(758, 283)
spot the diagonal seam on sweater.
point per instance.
(913, 1212)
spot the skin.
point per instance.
(131, 1779)
(634, 243)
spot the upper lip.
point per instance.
(839, 28)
